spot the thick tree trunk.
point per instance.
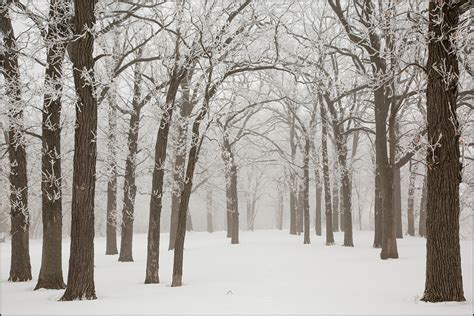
(129, 186)
(411, 200)
(423, 202)
(385, 172)
(156, 200)
(80, 283)
(51, 273)
(327, 183)
(443, 256)
(20, 268)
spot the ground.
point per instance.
(268, 272)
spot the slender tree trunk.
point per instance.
(327, 183)
(189, 222)
(112, 188)
(186, 108)
(423, 202)
(51, 273)
(396, 192)
(411, 200)
(20, 268)
(280, 210)
(129, 186)
(335, 199)
(80, 283)
(319, 192)
(378, 212)
(293, 195)
(306, 191)
(156, 200)
(210, 210)
(300, 210)
(443, 255)
(235, 204)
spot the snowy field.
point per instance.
(269, 272)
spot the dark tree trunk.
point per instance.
(423, 202)
(396, 192)
(129, 186)
(156, 200)
(327, 183)
(397, 202)
(443, 256)
(300, 210)
(378, 212)
(51, 273)
(411, 200)
(306, 191)
(335, 200)
(319, 192)
(186, 108)
(193, 156)
(235, 204)
(210, 210)
(20, 268)
(80, 283)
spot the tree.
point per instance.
(20, 268)
(80, 282)
(443, 257)
(51, 274)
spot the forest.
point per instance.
(236, 156)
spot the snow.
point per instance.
(269, 272)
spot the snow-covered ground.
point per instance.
(269, 272)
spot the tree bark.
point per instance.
(378, 211)
(156, 200)
(180, 156)
(327, 183)
(210, 211)
(129, 186)
(292, 184)
(443, 256)
(411, 200)
(319, 192)
(306, 191)
(51, 273)
(20, 268)
(423, 201)
(80, 283)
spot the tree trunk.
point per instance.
(180, 156)
(189, 222)
(280, 210)
(397, 202)
(210, 210)
(378, 211)
(51, 273)
(385, 173)
(306, 191)
(156, 200)
(423, 202)
(80, 283)
(327, 183)
(443, 256)
(235, 204)
(129, 186)
(411, 200)
(20, 269)
(300, 210)
(335, 199)
(112, 188)
(292, 185)
(319, 192)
